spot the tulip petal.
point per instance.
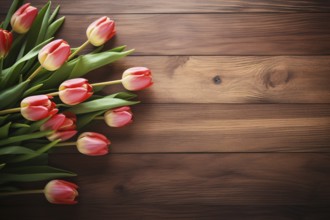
(53, 123)
(73, 96)
(34, 113)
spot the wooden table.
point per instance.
(236, 125)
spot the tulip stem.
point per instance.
(64, 144)
(107, 83)
(22, 192)
(53, 94)
(78, 49)
(35, 73)
(9, 111)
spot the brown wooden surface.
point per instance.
(254, 146)
(214, 34)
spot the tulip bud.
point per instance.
(63, 124)
(75, 91)
(6, 39)
(37, 107)
(22, 19)
(118, 117)
(100, 31)
(61, 192)
(93, 144)
(53, 55)
(137, 78)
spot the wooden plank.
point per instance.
(213, 34)
(190, 79)
(165, 212)
(183, 6)
(220, 128)
(196, 179)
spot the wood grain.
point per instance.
(197, 180)
(221, 128)
(165, 212)
(243, 79)
(213, 34)
(183, 6)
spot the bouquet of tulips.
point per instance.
(44, 101)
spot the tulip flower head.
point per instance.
(23, 18)
(100, 31)
(53, 55)
(64, 125)
(118, 117)
(137, 78)
(61, 192)
(37, 107)
(75, 91)
(93, 144)
(6, 39)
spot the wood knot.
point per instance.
(217, 80)
(277, 76)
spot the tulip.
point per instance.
(61, 192)
(6, 39)
(37, 107)
(63, 124)
(100, 31)
(53, 55)
(75, 91)
(22, 19)
(137, 78)
(118, 117)
(93, 144)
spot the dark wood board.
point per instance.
(236, 125)
(183, 6)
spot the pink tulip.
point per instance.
(64, 125)
(61, 192)
(37, 107)
(100, 31)
(93, 144)
(118, 117)
(53, 55)
(22, 19)
(75, 91)
(6, 39)
(137, 78)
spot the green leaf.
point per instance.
(24, 137)
(32, 89)
(15, 150)
(3, 119)
(19, 125)
(118, 49)
(123, 95)
(34, 126)
(4, 130)
(35, 153)
(57, 77)
(2, 165)
(11, 96)
(85, 119)
(54, 14)
(100, 104)
(33, 173)
(35, 30)
(12, 56)
(11, 74)
(52, 29)
(89, 62)
(10, 12)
